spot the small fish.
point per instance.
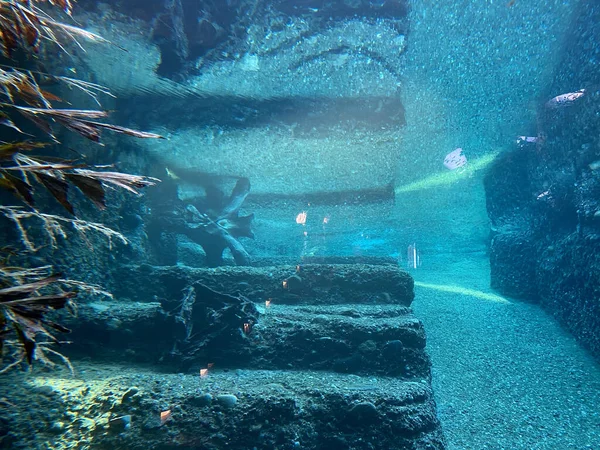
(301, 218)
(563, 100)
(595, 165)
(543, 194)
(455, 159)
(165, 416)
(172, 175)
(527, 139)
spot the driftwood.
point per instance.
(215, 223)
(208, 323)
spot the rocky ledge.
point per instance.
(320, 356)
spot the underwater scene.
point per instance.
(300, 224)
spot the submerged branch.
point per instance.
(54, 227)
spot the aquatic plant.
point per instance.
(24, 303)
(28, 295)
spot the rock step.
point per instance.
(302, 284)
(362, 339)
(238, 409)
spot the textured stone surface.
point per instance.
(376, 339)
(544, 201)
(337, 360)
(274, 409)
(322, 96)
(306, 283)
(348, 318)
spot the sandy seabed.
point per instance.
(505, 374)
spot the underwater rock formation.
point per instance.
(265, 409)
(340, 362)
(324, 283)
(543, 200)
(169, 33)
(357, 314)
(193, 35)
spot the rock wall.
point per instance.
(543, 198)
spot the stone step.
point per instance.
(302, 284)
(362, 339)
(241, 409)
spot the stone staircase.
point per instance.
(335, 361)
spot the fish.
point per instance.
(455, 159)
(301, 218)
(172, 175)
(563, 100)
(543, 194)
(165, 416)
(595, 165)
(527, 139)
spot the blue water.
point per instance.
(456, 141)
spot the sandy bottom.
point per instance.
(506, 375)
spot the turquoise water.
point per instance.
(315, 158)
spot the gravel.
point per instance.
(505, 375)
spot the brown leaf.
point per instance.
(58, 188)
(42, 166)
(65, 113)
(78, 121)
(49, 96)
(31, 94)
(24, 22)
(65, 5)
(41, 124)
(88, 132)
(54, 301)
(90, 187)
(7, 122)
(27, 340)
(18, 186)
(26, 87)
(123, 130)
(8, 150)
(8, 37)
(32, 34)
(58, 327)
(122, 180)
(28, 287)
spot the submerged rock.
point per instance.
(228, 401)
(120, 423)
